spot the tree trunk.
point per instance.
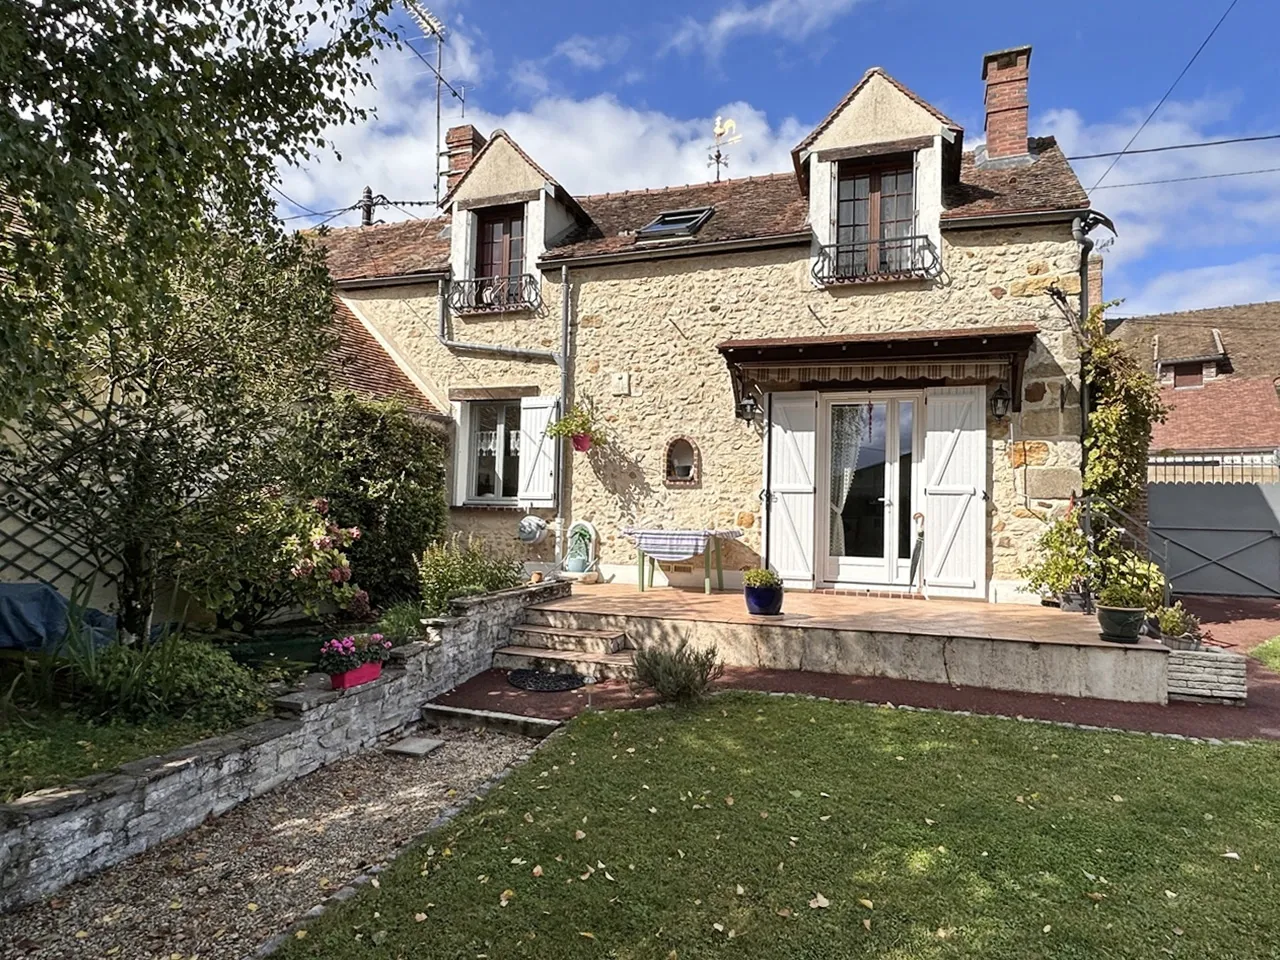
(137, 592)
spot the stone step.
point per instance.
(567, 638)
(415, 746)
(465, 718)
(602, 666)
(547, 616)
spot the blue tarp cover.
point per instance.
(33, 616)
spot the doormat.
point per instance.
(540, 682)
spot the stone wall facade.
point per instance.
(1207, 675)
(659, 323)
(53, 837)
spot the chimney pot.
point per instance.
(462, 144)
(1005, 72)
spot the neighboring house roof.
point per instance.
(1247, 334)
(857, 88)
(1228, 414)
(360, 364)
(746, 208)
(387, 249)
(1046, 184)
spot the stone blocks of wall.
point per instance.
(53, 837)
(1207, 674)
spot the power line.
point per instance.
(317, 213)
(1176, 146)
(1177, 79)
(392, 203)
(1207, 176)
(336, 214)
(290, 199)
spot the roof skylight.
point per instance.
(675, 223)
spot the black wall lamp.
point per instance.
(1000, 402)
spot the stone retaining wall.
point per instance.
(53, 837)
(1207, 674)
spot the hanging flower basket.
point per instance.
(353, 660)
(580, 427)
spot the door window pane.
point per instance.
(857, 504)
(906, 526)
(495, 450)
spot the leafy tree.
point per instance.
(176, 406)
(387, 478)
(123, 124)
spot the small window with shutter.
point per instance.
(1188, 375)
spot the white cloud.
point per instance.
(792, 19)
(1246, 281)
(536, 77)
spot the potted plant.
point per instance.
(579, 555)
(1179, 627)
(580, 427)
(1122, 610)
(353, 660)
(763, 592)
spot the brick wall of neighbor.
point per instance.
(660, 323)
(54, 837)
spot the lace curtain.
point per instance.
(849, 425)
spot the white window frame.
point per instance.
(467, 462)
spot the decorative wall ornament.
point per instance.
(682, 463)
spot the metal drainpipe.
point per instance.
(1078, 231)
(561, 486)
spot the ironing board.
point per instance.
(672, 546)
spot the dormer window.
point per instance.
(499, 282)
(675, 223)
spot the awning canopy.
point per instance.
(964, 353)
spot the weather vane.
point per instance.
(724, 131)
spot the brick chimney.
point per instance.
(462, 144)
(1005, 72)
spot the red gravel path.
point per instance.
(1260, 719)
(1238, 623)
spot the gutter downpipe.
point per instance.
(560, 359)
(1079, 232)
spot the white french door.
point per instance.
(869, 465)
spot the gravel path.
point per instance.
(229, 885)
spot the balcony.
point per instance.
(495, 294)
(869, 261)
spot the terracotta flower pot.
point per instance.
(581, 442)
(353, 678)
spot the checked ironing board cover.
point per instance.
(673, 545)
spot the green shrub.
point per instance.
(387, 477)
(172, 678)
(401, 622)
(452, 569)
(1178, 621)
(683, 675)
(1063, 563)
(758, 577)
(1121, 593)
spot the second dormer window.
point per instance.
(500, 248)
(875, 219)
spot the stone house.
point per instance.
(828, 359)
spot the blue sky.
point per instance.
(611, 96)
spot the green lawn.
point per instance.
(760, 827)
(1268, 653)
(54, 748)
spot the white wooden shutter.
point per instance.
(790, 476)
(955, 466)
(537, 452)
(461, 451)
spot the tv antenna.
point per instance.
(433, 29)
(725, 132)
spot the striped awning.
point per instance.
(994, 369)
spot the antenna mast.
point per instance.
(433, 28)
(724, 137)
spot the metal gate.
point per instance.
(1217, 538)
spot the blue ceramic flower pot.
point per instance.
(763, 601)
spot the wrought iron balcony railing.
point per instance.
(891, 258)
(495, 294)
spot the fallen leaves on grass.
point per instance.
(819, 902)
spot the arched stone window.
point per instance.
(682, 463)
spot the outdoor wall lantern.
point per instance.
(1000, 403)
(747, 408)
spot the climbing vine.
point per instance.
(1125, 405)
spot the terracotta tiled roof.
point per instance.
(1228, 414)
(1250, 336)
(746, 208)
(1047, 183)
(361, 365)
(386, 250)
(848, 98)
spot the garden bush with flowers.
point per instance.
(351, 652)
(275, 554)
